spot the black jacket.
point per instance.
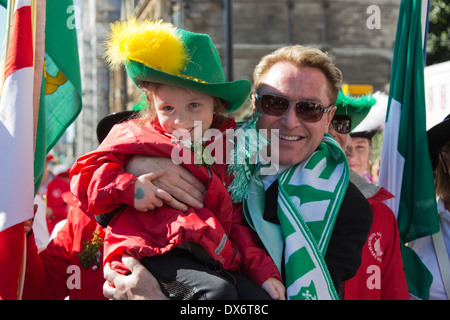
(353, 223)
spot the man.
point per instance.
(295, 91)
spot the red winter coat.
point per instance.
(381, 275)
(57, 272)
(101, 185)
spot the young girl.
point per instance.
(194, 254)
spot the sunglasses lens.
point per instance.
(277, 106)
(342, 125)
(273, 105)
(309, 111)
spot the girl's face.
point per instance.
(359, 153)
(178, 108)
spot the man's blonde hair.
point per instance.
(302, 56)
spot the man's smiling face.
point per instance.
(297, 139)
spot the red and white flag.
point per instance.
(16, 145)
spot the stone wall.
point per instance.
(343, 28)
(339, 27)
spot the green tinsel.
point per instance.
(248, 143)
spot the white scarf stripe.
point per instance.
(302, 238)
(336, 205)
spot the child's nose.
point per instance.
(181, 120)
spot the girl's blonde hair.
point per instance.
(302, 57)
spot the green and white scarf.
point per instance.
(309, 197)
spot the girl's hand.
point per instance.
(146, 195)
(186, 190)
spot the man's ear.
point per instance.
(330, 115)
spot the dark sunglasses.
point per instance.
(342, 123)
(277, 106)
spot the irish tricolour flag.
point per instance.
(16, 144)
(405, 168)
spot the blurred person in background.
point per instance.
(381, 275)
(361, 148)
(434, 250)
(54, 183)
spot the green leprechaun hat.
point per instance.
(356, 108)
(156, 51)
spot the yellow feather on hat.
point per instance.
(151, 42)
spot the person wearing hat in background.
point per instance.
(360, 153)
(196, 253)
(434, 250)
(381, 275)
(360, 147)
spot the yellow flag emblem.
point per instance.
(54, 82)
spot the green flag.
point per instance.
(405, 168)
(61, 86)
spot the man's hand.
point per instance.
(185, 189)
(139, 285)
(275, 288)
